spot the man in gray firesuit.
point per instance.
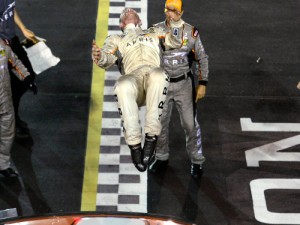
(181, 91)
(143, 80)
(7, 115)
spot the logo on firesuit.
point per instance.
(139, 40)
(176, 58)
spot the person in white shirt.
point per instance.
(143, 80)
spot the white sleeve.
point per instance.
(108, 52)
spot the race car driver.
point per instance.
(181, 91)
(7, 115)
(144, 82)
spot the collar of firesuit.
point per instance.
(129, 27)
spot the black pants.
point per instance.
(18, 87)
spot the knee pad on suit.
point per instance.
(124, 86)
(158, 75)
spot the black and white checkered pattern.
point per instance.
(121, 187)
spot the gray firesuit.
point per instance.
(181, 92)
(144, 82)
(7, 116)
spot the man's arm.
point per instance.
(17, 66)
(105, 57)
(201, 66)
(27, 33)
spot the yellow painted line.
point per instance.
(90, 181)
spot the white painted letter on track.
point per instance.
(261, 212)
(270, 152)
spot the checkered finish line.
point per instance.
(121, 187)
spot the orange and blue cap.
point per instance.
(174, 4)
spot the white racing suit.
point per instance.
(7, 116)
(144, 82)
(181, 92)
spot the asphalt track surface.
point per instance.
(235, 34)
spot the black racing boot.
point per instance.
(196, 170)
(136, 156)
(149, 147)
(158, 165)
